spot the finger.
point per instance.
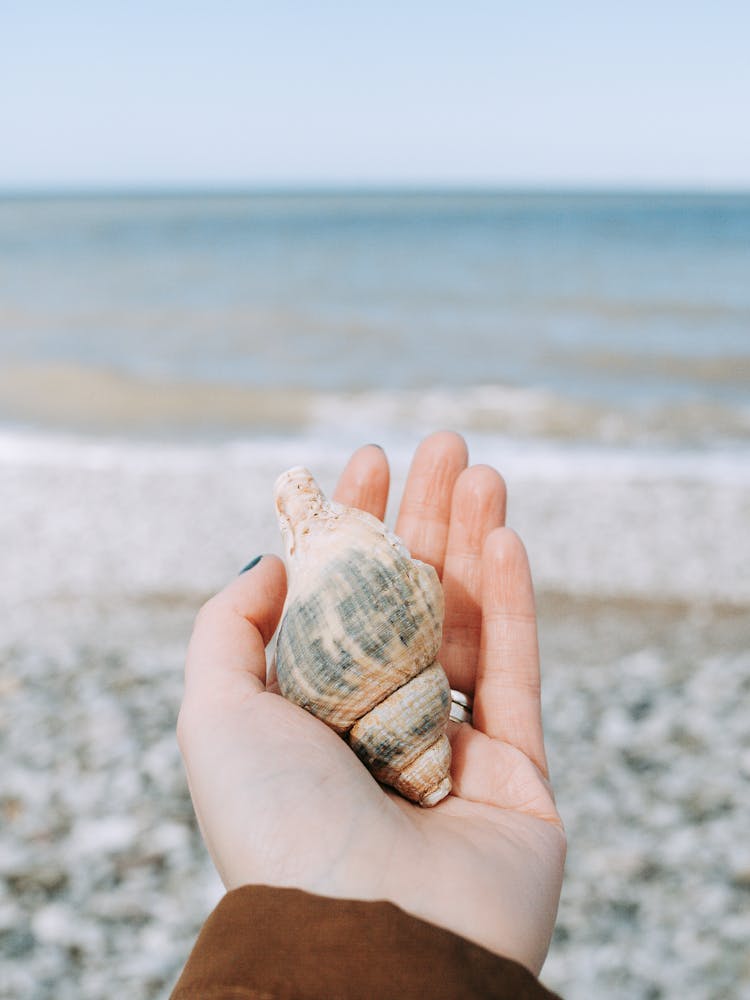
(507, 703)
(426, 505)
(478, 507)
(365, 480)
(227, 655)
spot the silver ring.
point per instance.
(461, 707)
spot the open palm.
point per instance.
(281, 800)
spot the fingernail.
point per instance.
(373, 445)
(253, 562)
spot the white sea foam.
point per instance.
(545, 458)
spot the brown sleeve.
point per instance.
(263, 943)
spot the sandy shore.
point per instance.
(644, 606)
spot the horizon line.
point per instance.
(236, 188)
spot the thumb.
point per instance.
(226, 657)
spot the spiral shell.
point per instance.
(359, 637)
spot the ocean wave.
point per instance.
(536, 459)
(91, 400)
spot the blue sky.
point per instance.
(278, 93)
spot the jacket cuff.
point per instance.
(266, 943)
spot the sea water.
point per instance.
(613, 317)
(593, 347)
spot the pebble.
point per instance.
(104, 835)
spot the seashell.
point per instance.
(358, 639)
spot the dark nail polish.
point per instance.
(253, 562)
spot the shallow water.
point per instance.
(613, 310)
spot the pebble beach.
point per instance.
(110, 548)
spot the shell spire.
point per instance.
(359, 637)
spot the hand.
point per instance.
(281, 800)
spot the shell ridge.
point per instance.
(391, 736)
